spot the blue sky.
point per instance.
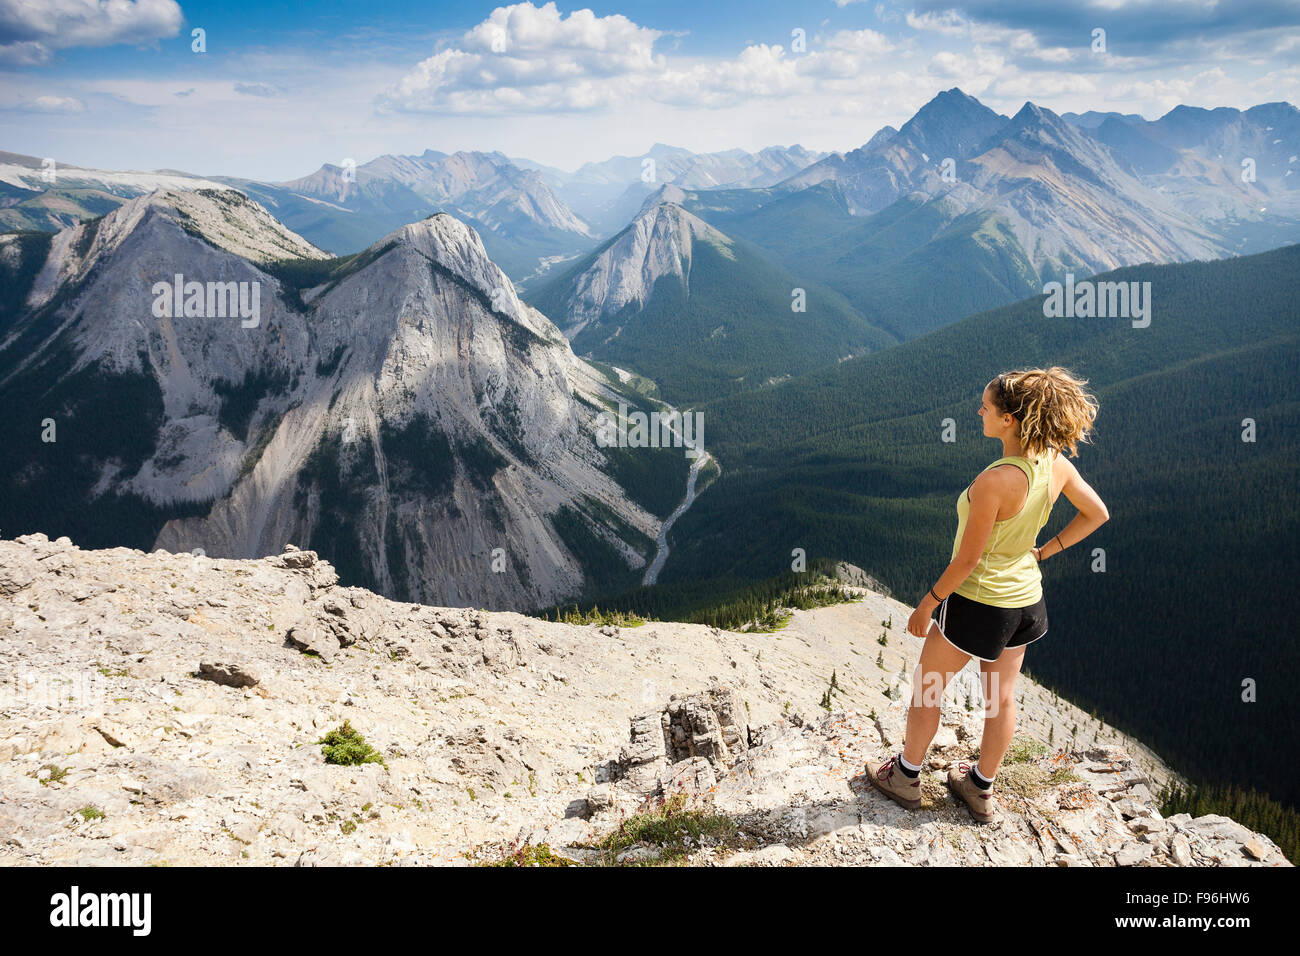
(283, 87)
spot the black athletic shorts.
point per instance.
(984, 631)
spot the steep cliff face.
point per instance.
(401, 409)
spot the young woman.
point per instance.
(990, 597)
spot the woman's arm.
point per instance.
(1093, 513)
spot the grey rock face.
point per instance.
(800, 796)
(710, 725)
(658, 243)
(409, 410)
(229, 675)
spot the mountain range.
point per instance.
(960, 210)
(524, 211)
(700, 312)
(1008, 202)
(607, 194)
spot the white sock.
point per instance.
(976, 770)
(903, 761)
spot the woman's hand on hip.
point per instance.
(918, 625)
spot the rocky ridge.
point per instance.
(1072, 201)
(169, 708)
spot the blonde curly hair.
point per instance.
(1053, 409)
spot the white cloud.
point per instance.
(948, 64)
(54, 104)
(31, 31)
(864, 42)
(949, 23)
(528, 59)
(25, 53)
(583, 87)
(1038, 86)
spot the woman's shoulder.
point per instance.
(1001, 479)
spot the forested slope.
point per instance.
(1200, 552)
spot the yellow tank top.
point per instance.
(1007, 574)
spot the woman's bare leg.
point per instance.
(939, 663)
(999, 678)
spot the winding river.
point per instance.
(652, 573)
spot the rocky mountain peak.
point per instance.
(667, 193)
(952, 124)
(458, 248)
(658, 242)
(880, 138)
(225, 219)
(1033, 123)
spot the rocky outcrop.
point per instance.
(168, 708)
(683, 746)
(798, 795)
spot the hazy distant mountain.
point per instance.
(888, 167)
(519, 217)
(1070, 205)
(963, 210)
(1092, 119)
(400, 410)
(486, 187)
(1237, 170)
(881, 136)
(1172, 189)
(45, 194)
(609, 193)
(1129, 145)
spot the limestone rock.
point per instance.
(710, 724)
(229, 675)
(308, 635)
(101, 710)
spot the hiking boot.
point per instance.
(886, 777)
(979, 801)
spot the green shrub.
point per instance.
(529, 854)
(346, 747)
